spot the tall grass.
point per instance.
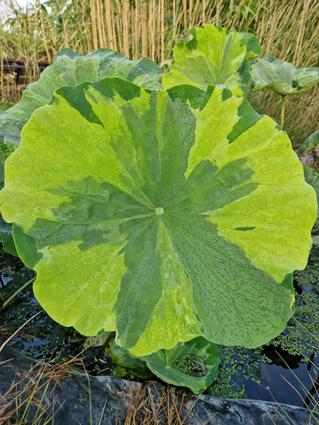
(287, 29)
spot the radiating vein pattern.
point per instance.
(163, 215)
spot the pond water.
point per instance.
(278, 372)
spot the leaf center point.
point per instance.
(159, 211)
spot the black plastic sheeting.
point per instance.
(72, 401)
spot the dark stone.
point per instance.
(72, 400)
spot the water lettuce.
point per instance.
(214, 55)
(283, 78)
(163, 215)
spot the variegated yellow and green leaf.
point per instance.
(214, 55)
(282, 77)
(70, 69)
(163, 215)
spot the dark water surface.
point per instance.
(287, 379)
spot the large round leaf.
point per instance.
(282, 77)
(214, 55)
(163, 215)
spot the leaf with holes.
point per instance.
(214, 55)
(162, 215)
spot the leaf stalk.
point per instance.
(17, 292)
(283, 111)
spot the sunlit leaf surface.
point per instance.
(214, 55)
(163, 215)
(71, 69)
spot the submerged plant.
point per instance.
(214, 55)
(283, 78)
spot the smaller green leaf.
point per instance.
(5, 106)
(6, 237)
(192, 364)
(311, 142)
(126, 363)
(312, 178)
(282, 77)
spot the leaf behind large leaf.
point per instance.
(214, 55)
(282, 77)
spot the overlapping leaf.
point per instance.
(71, 69)
(162, 215)
(126, 363)
(282, 77)
(214, 55)
(6, 238)
(4, 106)
(312, 178)
(310, 143)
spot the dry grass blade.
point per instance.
(18, 330)
(31, 390)
(287, 29)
